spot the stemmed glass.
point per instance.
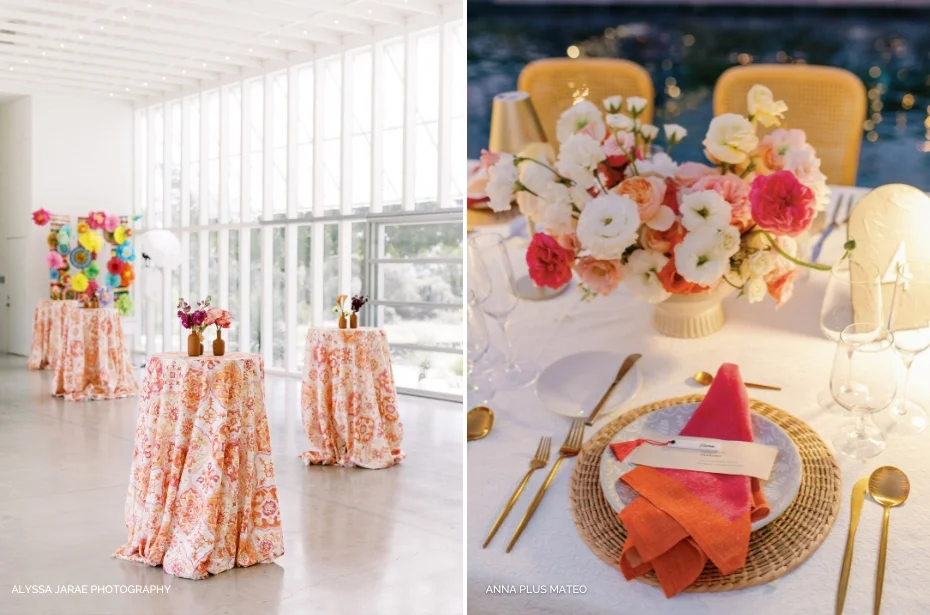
(863, 382)
(500, 302)
(478, 343)
(909, 321)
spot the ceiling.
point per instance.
(141, 50)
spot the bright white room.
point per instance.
(292, 444)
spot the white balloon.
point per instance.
(162, 247)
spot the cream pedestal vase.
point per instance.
(691, 316)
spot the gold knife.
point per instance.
(624, 368)
(858, 496)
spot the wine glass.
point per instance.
(863, 382)
(478, 343)
(848, 279)
(909, 321)
(478, 281)
(500, 302)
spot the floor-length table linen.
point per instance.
(202, 495)
(47, 328)
(95, 362)
(348, 399)
(551, 571)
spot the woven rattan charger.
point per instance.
(774, 550)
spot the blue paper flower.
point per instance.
(63, 249)
(66, 229)
(54, 274)
(80, 258)
(126, 252)
(114, 281)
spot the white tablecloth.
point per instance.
(784, 347)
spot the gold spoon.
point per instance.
(706, 379)
(889, 487)
(480, 422)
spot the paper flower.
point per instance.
(113, 280)
(63, 249)
(65, 279)
(54, 274)
(80, 258)
(91, 287)
(126, 252)
(52, 240)
(66, 229)
(119, 235)
(115, 266)
(93, 270)
(79, 282)
(111, 223)
(128, 274)
(105, 296)
(53, 260)
(41, 217)
(62, 237)
(124, 304)
(92, 241)
(96, 219)
(82, 228)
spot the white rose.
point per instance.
(608, 225)
(636, 104)
(705, 208)
(612, 103)
(659, 165)
(761, 262)
(579, 157)
(755, 289)
(619, 121)
(675, 133)
(697, 258)
(501, 179)
(728, 241)
(730, 138)
(763, 106)
(643, 267)
(649, 131)
(580, 116)
(580, 197)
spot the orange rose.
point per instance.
(662, 241)
(673, 282)
(647, 192)
(602, 277)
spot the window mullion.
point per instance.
(410, 128)
(377, 126)
(319, 75)
(446, 155)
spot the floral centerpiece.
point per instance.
(614, 208)
(194, 319)
(222, 320)
(347, 307)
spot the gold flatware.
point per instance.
(855, 508)
(624, 368)
(889, 487)
(570, 448)
(540, 459)
(706, 379)
(480, 422)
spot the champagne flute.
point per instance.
(909, 321)
(478, 342)
(863, 382)
(478, 281)
(500, 303)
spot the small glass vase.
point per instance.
(353, 321)
(219, 344)
(342, 321)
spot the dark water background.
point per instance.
(686, 48)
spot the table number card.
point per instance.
(891, 227)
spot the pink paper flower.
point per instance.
(734, 191)
(603, 277)
(550, 264)
(96, 219)
(54, 260)
(41, 217)
(112, 223)
(781, 204)
(690, 172)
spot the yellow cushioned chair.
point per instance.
(828, 103)
(555, 84)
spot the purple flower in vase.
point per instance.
(198, 317)
(185, 319)
(358, 301)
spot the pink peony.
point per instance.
(781, 204)
(690, 172)
(111, 223)
(219, 317)
(41, 217)
(602, 277)
(550, 264)
(54, 260)
(734, 191)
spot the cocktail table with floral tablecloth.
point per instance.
(348, 400)
(47, 332)
(202, 493)
(95, 362)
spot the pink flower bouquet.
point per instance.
(611, 210)
(219, 317)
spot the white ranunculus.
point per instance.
(761, 262)
(612, 103)
(730, 138)
(578, 117)
(705, 208)
(649, 131)
(728, 241)
(755, 289)
(618, 121)
(578, 158)
(675, 133)
(502, 178)
(636, 104)
(698, 260)
(608, 226)
(643, 267)
(659, 165)
(763, 106)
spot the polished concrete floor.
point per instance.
(359, 542)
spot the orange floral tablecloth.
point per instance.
(95, 362)
(202, 493)
(47, 332)
(348, 401)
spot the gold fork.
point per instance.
(570, 448)
(540, 459)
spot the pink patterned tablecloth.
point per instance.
(202, 493)
(95, 361)
(47, 332)
(348, 401)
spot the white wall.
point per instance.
(77, 156)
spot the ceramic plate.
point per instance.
(573, 385)
(780, 490)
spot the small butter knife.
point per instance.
(858, 497)
(624, 368)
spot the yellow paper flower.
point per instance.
(89, 241)
(119, 235)
(79, 282)
(82, 228)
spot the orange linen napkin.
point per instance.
(684, 518)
